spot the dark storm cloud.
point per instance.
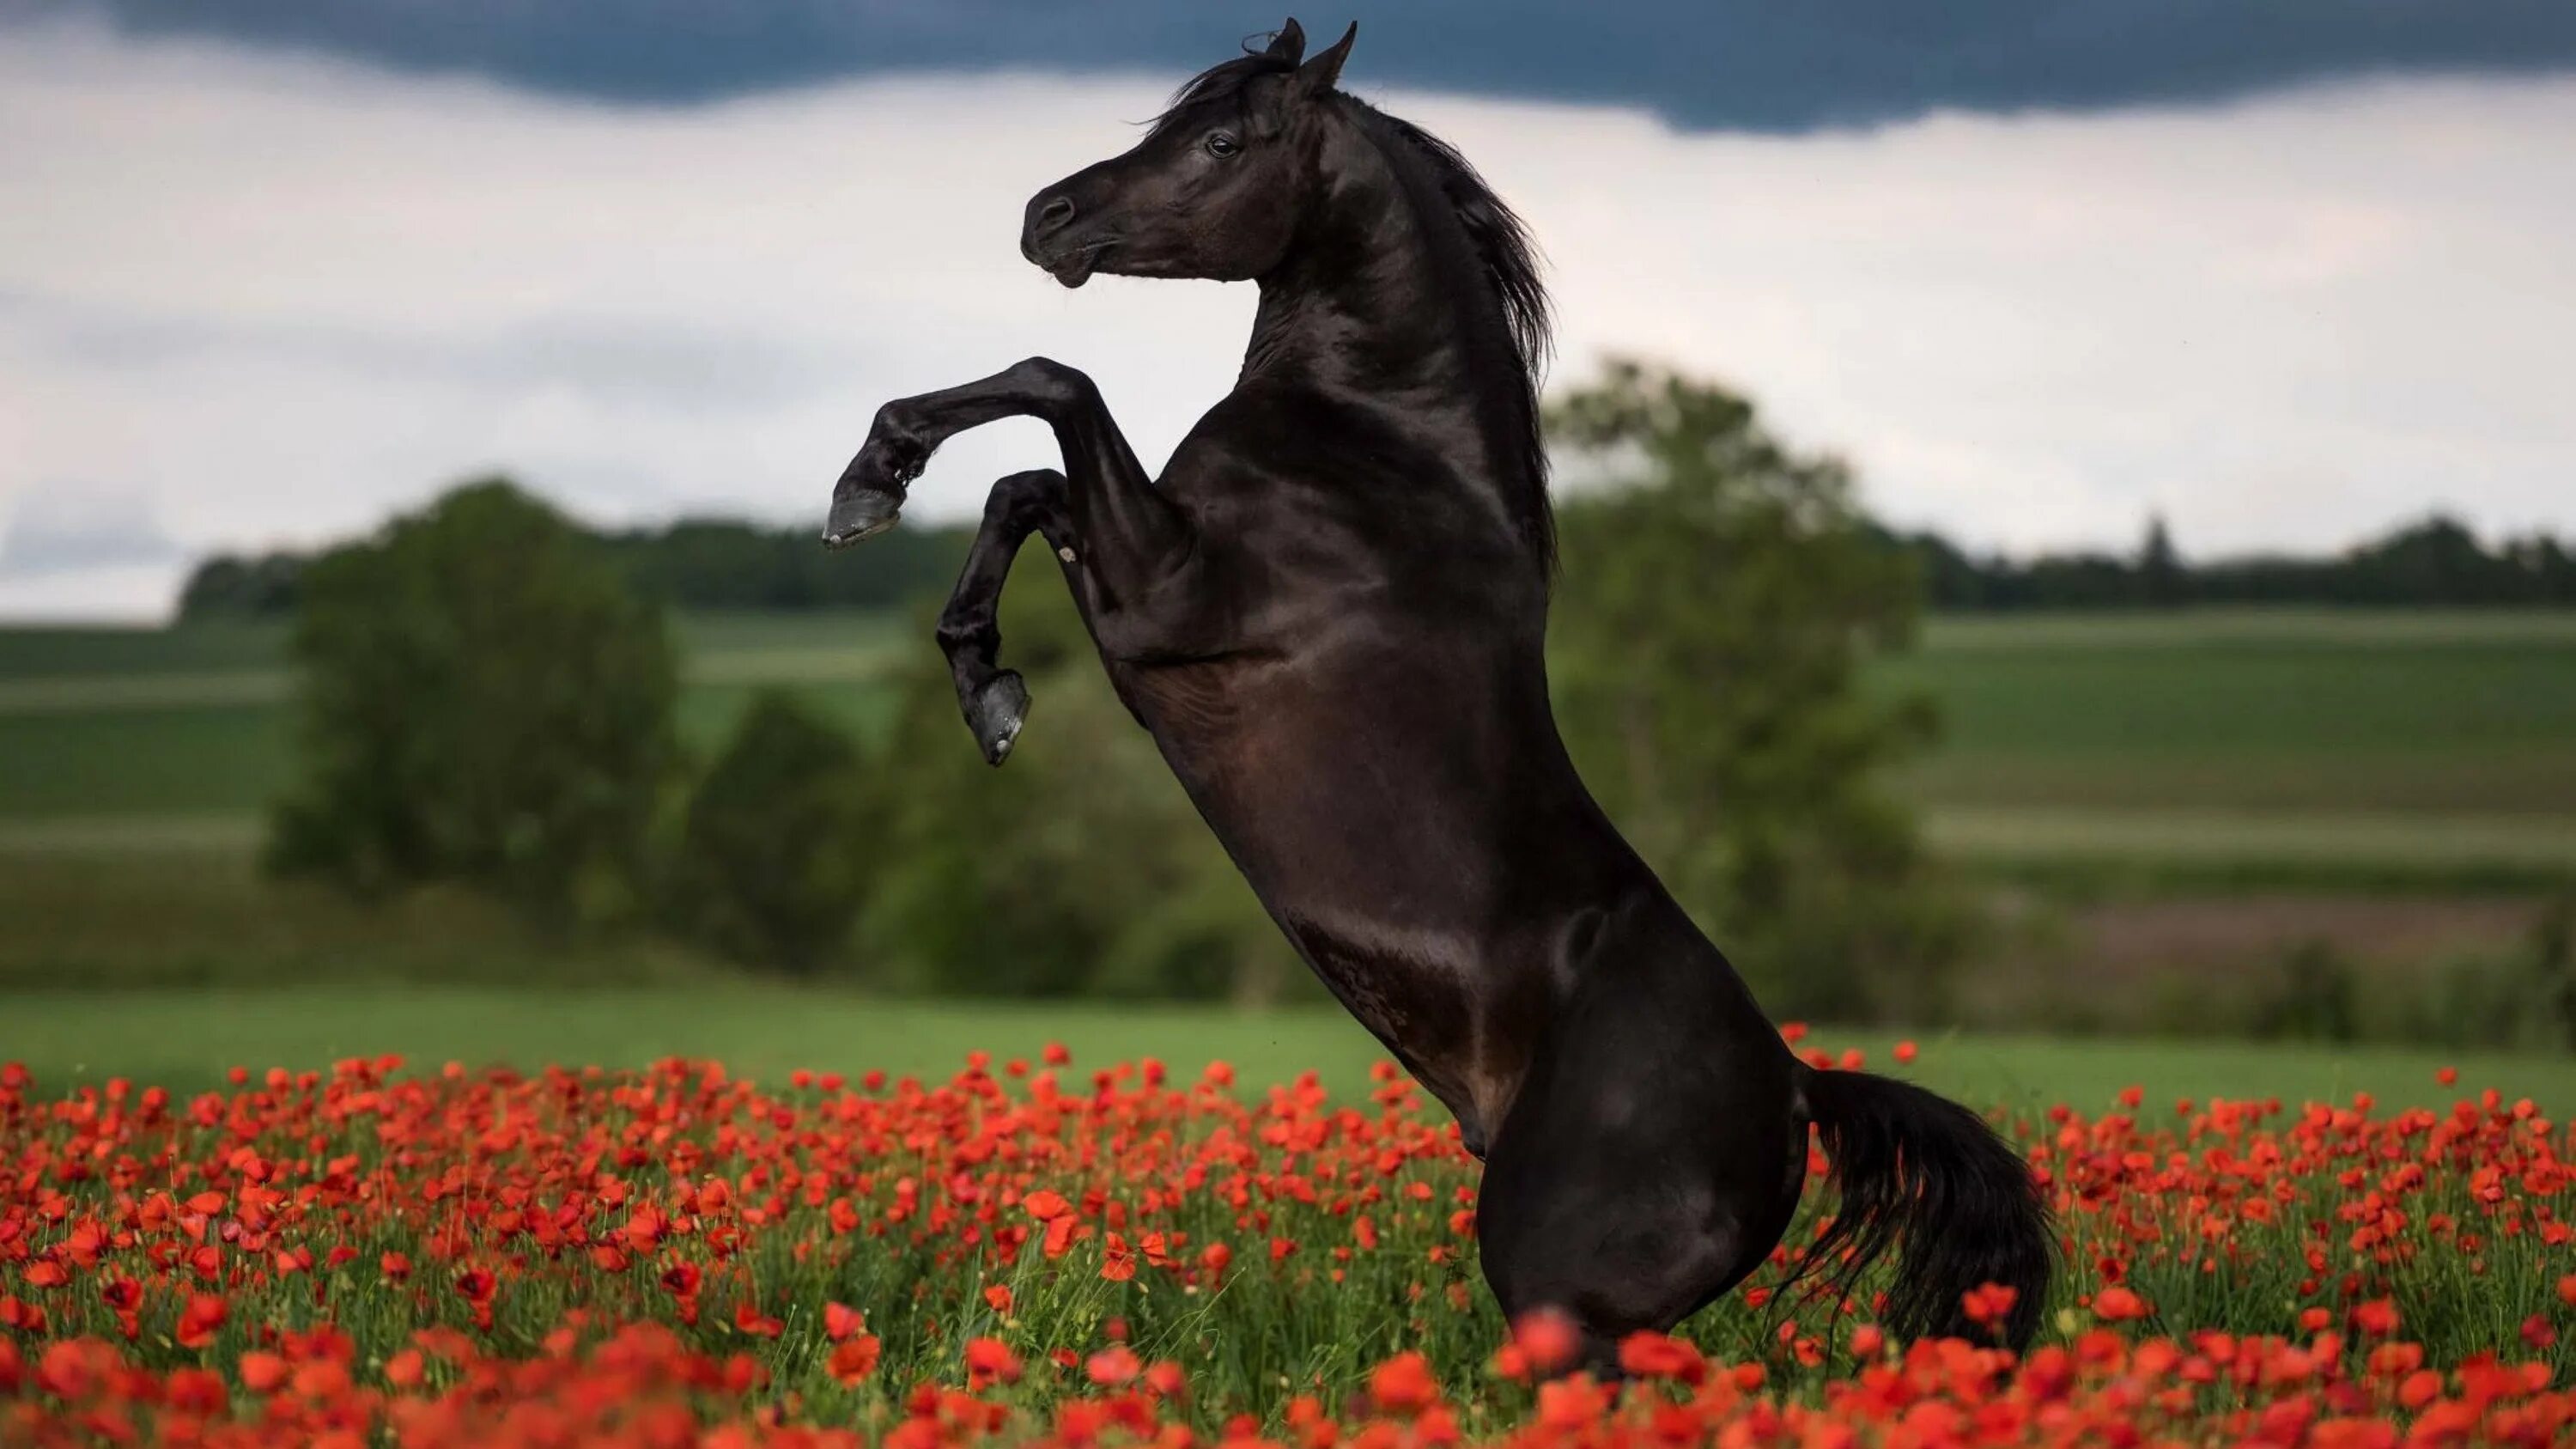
(1760, 65)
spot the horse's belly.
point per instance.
(1394, 898)
(1373, 811)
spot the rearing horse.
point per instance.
(1329, 612)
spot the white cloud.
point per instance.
(273, 297)
(68, 529)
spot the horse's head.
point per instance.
(1213, 191)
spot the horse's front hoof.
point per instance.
(860, 513)
(998, 711)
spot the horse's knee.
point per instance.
(1022, 499)
(1054, 387)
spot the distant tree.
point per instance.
(703, 563)
(774, 860)
(695, 563)
(2162, 579)
(484, 701)
(227, 586)
(2435, 563)
(1715, 610)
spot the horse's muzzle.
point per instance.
(1051, 241)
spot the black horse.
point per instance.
(1329, 613)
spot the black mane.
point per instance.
(1502, 245)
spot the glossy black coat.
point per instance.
(1330, 613)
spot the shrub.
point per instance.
(2553, 964)
(2314, 1000)
(773, 861)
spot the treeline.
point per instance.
(722, 564)
(2437, 562)
(697, 563)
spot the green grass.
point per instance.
(38, 652)
(2352, 628)
(2528, 844)
(2435, 744)
(166, 902)
(188, 1038)
(191, 760)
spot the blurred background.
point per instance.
(2069, 532)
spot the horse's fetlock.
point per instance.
(955, 632)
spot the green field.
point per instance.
(2446, 713)
(192, 724)
(188, 1039)
(2418, 742)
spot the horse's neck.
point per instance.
(1372, 306)
(1373, 328)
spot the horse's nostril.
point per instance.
(1054, 212)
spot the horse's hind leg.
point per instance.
(1651, 1161)
(1640, 1253)
(994, 699)
(1613, 1258)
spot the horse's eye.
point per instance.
(1221, 145)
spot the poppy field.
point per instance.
(1045, 1252)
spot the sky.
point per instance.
(2287, 274)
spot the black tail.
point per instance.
(1923, 1168)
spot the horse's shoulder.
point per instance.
(1301, 437)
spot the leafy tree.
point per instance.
(1717, 603)
(773, 862)
(226, 586)
(483, 701)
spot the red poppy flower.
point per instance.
(1403, 1384)
(855, 1358)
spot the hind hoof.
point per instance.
(998, 711)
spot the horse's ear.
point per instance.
(1318, 75)
(1289, 44)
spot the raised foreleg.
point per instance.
(994, 699)
(1132, 539)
